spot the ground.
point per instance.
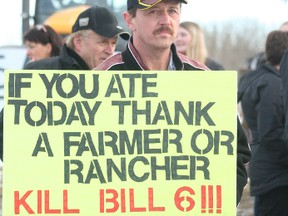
(245, 207)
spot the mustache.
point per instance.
(164, 29)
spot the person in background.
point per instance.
(252, 64)
(93, 39)
(154, 25)
(260, 94)
(190, 41)
(284, 76)
(260, 58)
(284, 27)
(42, 42)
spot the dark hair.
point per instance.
(132, 12)
(44, 34)
(276, 44)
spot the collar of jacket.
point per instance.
(70, 58)
(134, 62)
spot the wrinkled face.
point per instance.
(37, 51)
(94, 48)
(183, 40)
(157, 26)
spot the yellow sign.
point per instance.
(120, 143)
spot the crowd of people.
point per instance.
(261, 100)
(158, 41)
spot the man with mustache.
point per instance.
(154, 25)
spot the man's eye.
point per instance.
(154, 12)
(101, 42)
(172, 11)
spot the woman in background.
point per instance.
(42, 42)
(190, 41)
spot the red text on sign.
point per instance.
(42, 201)
(213, 196)
(122, 199)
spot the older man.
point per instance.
(93, 39)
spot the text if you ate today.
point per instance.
(124, 87)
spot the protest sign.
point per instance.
(122, 143)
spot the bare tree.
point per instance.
(232, 45)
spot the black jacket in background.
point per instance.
(284, 75)
(260, 96)
(67, 60)
(213, 65)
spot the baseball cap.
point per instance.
(100, 20)
(145, 4)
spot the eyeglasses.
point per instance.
(41, 27)
(148, 3)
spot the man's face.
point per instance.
(94, 48)
(157, 26)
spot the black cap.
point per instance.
(135, 4)
(100, 20)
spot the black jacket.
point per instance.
(284, 75)
(67, 60)
(213, 65)
(260, 95)
(130, 60)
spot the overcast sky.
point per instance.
(272, 13)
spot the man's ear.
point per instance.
(129, 21)
(48, 48)
(77, 42)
